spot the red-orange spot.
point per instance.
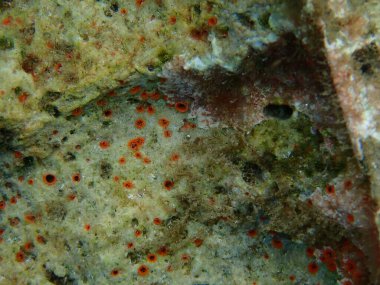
(252, 233)
(147, 160)
(151, 257)
(13, 200)
(135, 90)
(167, 134)
(138, 233)
(123, 11)
(151, 110)
(174, 157)
(212, 21)
(128, 184)
(198, 242)
(163, 122)
(7, 21)
(144, 96)
(1, 231)
(101, 103)
(163, 250)
(57, 67)
(185, 257)
(71, 197)
(76, 177)
(155, 96)
(276, 243)
(112, 93)
(122, 160)
(87, 227)
(330, 189)
(115, 272)
(20, 256)
(2, 205)
(140, 124)
(331, 266)
(22, 98)
(313, 268)
(130, 245)
(28, 246)
(136, 143)
(182, 107)
(30, 218)
(157, 221)
(138, 155)
(49, 179)
(143, 270)
(116, 178)
(40, 239)
(350, 266)
(172, 20)
(347, 185)
(77, 112)
(104, 144)
(107, 113)
(168, 184)
(350, 218)
(140, 109)
(292, 278)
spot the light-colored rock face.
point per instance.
(187, 142)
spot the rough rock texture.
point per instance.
(189, 142)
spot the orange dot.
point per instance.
(28, 246)
(77, 112)
(40, 239)
(151, 257)
(7, 20)
(163, 122)
(116, 178)
(172, 20)
(49, 179)
(112, 93)
(123, 11)
(22, 98)
(198, 242)
(350, 218)
(182, 107)
(130, 245)
(174, 157)
(30, 218)
(136, 143)
(163, 250)
(147, 160)
(104, 144)
(71, 197)
(76, 177)
(2, 205)
(185, 257)
(168, 184)
(140, 124)
(151, 110)
(138, 233)
(13, 200)
(107, 113)
(155, 96)
(313, 268)
(115, 272)
(276, 243)
(20, 256)
(252, 233)
(143, 270)
(101, 103)
(144, 96)
(157, 221)
(140, 109)
(167, 134)
(292, 278)
(122, 160)
(135, 90)
(212, 21)
(87, 227)
(331, 266)
(128, 184)
(138, 155)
